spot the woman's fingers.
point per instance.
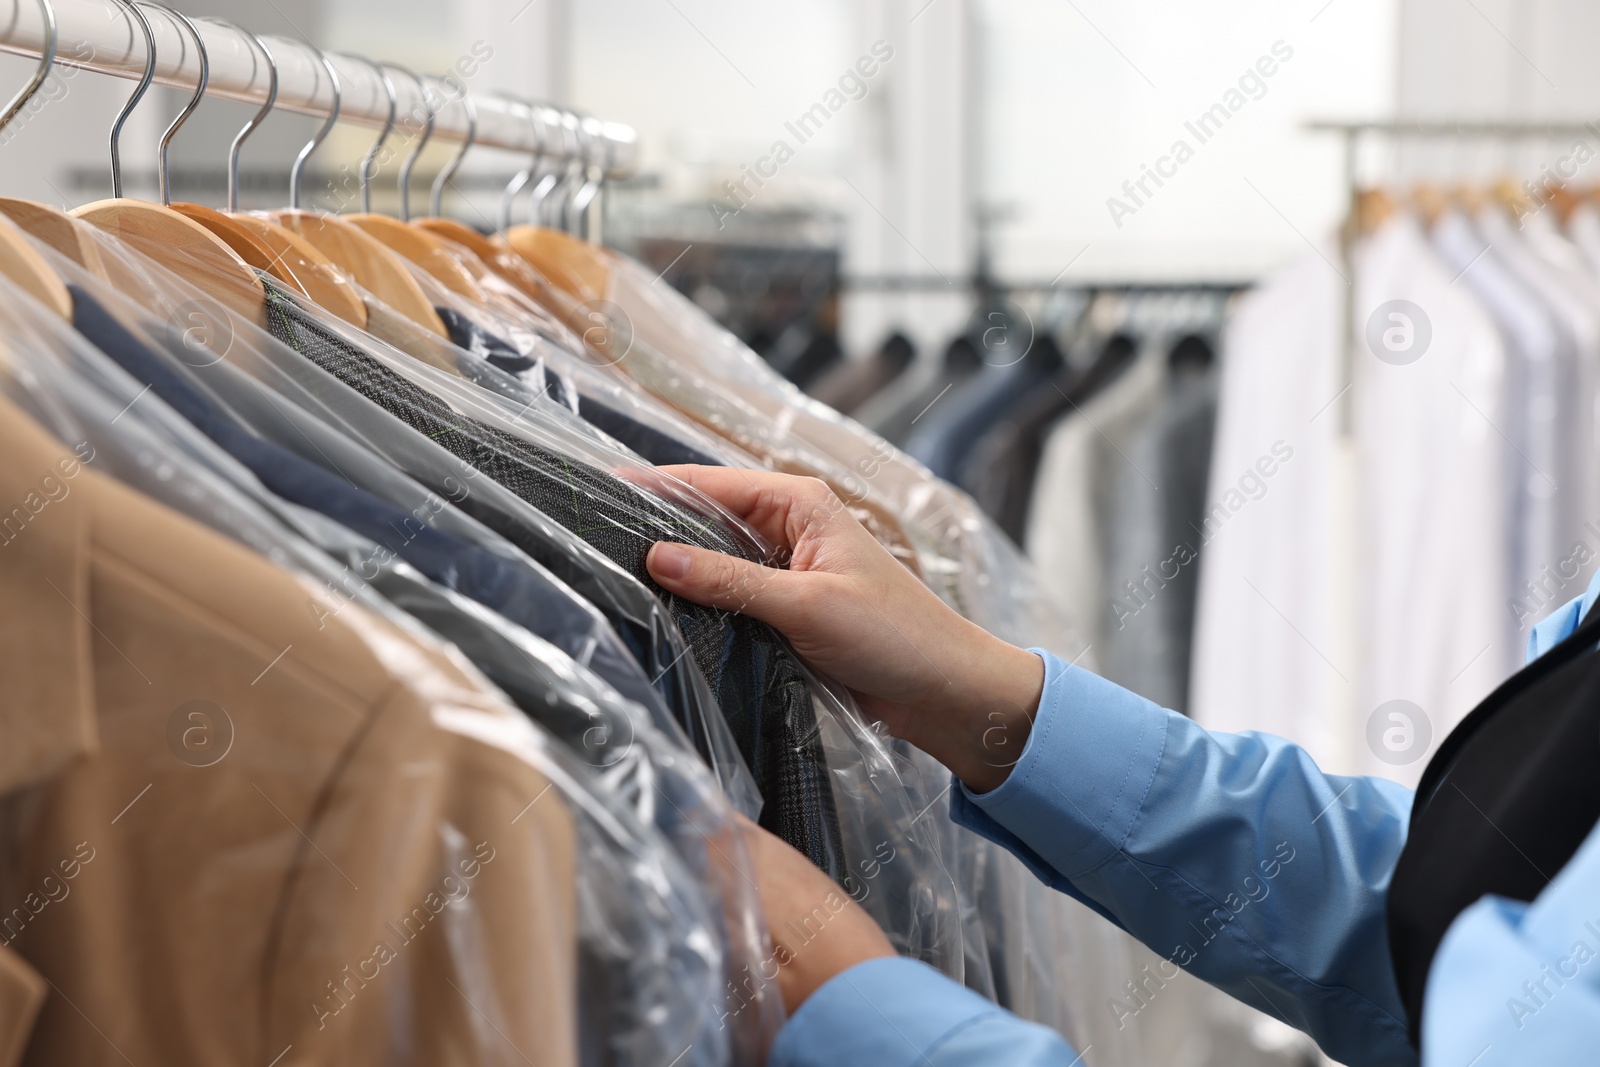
(726, 582)
(778, 506)
(858, 616)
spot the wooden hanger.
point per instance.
(461, 234)
(374, 267)
(265, 245)
(1430, 202)
(317, 276)
(184, 247)
(572, 264)
(1468, 197)
(494, 254)
(289, 258)
(22, 264)
(1373, 208)
(230, 233)
(176, 242)
(1565, 201)
(19, 260)
(1511, 197)
(58, 230)
(421, 248)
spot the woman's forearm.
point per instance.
(1231, 855)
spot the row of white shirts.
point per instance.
(1441, 493)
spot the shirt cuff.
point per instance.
(1554, 628)
(1074, 794)
(889, 1012)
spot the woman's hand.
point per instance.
(817, 930)
(943, 683)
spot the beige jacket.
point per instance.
(241, 823)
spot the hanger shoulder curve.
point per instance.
(297, 262)
(495, 255)
(573, 265)
(22, 264)
(57, 229)
(421, 248)
(459, 232)
(368, 260)
(244, 245)
(184, 247)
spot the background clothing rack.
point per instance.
(99, 35)
(1351, 134)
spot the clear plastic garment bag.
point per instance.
(650, 942)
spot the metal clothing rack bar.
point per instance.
(1351, 133)
(100, 36)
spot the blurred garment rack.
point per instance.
(1351, 134)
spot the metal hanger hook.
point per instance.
(572, 206)
(133, 99)
(596, 165)
(570, 120)
(436, 196)
(47, 60)
(541, 191)
(162, 174)
(297, 172)
(416, 151)
(371, 157)
(520, 179)
(555, 182)
(259, 117)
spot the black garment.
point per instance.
(802, 353)
(945, 436)
(848, 384)
(961, 362)
(1001, 466)
(540, 607)
(647, 441)
(1504, 804)
(658, 447)
(759, 685)
(634, 613)
(468, 335)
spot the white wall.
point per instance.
(1079, 98)
(1497, 59)
(714, 85)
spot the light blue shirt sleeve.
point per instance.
(903, 1013)
(1231, 855)
(1236, 858)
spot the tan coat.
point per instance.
(239, 825)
